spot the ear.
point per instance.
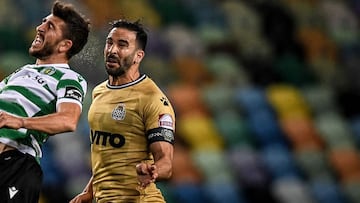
(139, 56)
(65, 45)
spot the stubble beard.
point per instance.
(122, 69)
(43, 53)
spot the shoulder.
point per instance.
(150, 88)
(154, 97)
(99, 88)
(70, 72)
(101, 85)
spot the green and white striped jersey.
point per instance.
(37, 90)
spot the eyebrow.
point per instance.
(49, 21)
(119, 41)
(123, 41)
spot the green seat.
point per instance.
(234, 129)
(314, 164)
(334, 130)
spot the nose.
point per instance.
(40, 28)
(112, 49)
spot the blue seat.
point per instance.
(251, 99)
(223, 192)
(355, 127)
(327, 191)
(266, 128)
(279, 161)
(188, 193)
(248, 167)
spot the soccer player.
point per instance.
(39, 100)
(132, 125)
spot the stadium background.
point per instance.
(266, 94)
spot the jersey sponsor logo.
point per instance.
(166, 121)
(48, 70)
(73, 93)
(119, 112)
(38, 79)
(105, 138)
(12, 191)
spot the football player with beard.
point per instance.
(132, 125)
(39, 100)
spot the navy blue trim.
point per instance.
(141, 78)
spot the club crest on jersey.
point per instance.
(166, 121)
(48, 70)
(119, 112)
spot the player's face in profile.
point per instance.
(48, 35)
(119, 51)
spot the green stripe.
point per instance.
(13, 108)
(68, 82)
(57, 74)
(50, 108)
(49, 90)
(28, 94)
(11, 133)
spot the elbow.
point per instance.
(168, 174)
(70, 126)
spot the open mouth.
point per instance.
(111, 59)
(38, 40)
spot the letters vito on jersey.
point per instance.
(103, 138)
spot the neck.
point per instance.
(130, 76)
(51, 60)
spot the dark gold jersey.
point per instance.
(124, 120)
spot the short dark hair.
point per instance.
(77, 27)
(141, 35)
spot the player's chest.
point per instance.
(115, 109)
(29, 78)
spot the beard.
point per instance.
(47, 50)
(124, 66)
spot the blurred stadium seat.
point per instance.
(266, 95)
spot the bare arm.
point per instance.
(64, 120)
(163, 153)
(162, 167)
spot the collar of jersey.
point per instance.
(57, 65)
(142, 77)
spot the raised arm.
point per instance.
(64, 120)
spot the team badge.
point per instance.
(168, 135)
(166, 121)
(48, 70)
(119, 112)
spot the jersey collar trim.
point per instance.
(56, 65)
(141, 78)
